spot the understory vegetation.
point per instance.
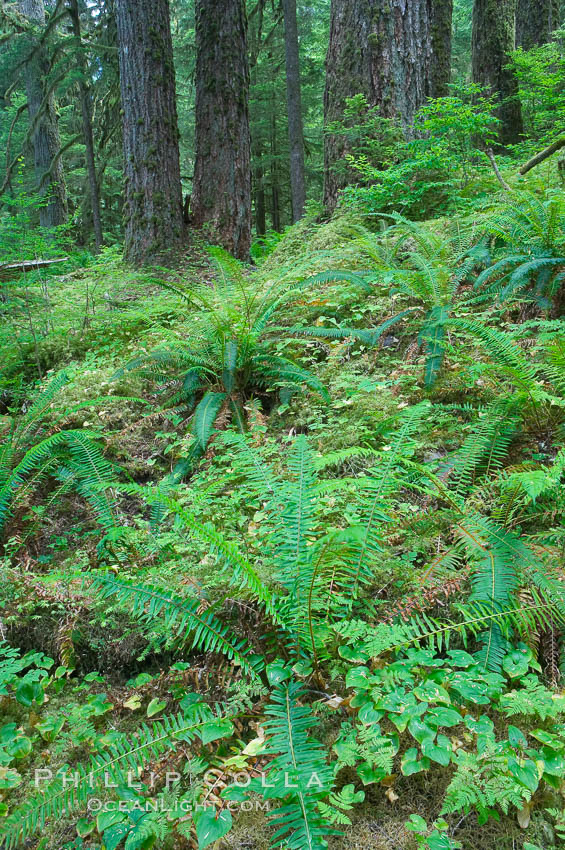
(282, 538)
(283, 548)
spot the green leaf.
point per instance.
(19, 747)
(526, 773)
(441, 716)
(357, 677)
(420, 730)
(214, 729)
(516, 664)
(155, 706)
(517, 738)
(84, 827)
(439, 752)
(277, 672)
(9, 778)
(105, 820)
(209, 827)
(29, 692)
(369, 774)
(410, 764)
(114, 835)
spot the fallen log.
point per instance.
(11, 270)
(539, 157)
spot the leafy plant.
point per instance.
(35, 448)
(532, 229)
(231, 352)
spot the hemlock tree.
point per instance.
(492, 43)
(44, 127)
(294, 109)
(221, 194)
(153, 200)
(535, 21)
(382, 49)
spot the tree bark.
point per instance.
(383, 50)
(294, 110)
(259, 190)
(86, 110)
(221, 196)
(441, 21)
(535, 22)
(153, 197)
(44, 126)
(492, 42)
(275, 187)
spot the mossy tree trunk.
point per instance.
(294, 109)
(492, 42)
(535, 21)
(44, 123)
(153, 197)
(221, 196)
(86, 110)
(441, 21)
(383, 50)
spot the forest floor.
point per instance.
(91, 322)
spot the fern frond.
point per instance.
(181, 617)
(299, 825)
(131, 753)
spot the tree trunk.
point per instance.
(86, 110)
(535, 21)
(44, 126)
(492, 43)
(259, 191)
(441, 20)
(294, 109)
(153, 197)
(221, 195)
(275, 188)
(383, 50)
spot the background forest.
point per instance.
(282, 424)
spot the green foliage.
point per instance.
(232, 350)
(298, 773)
(181, 617)
(432, 700)
(541, 76)
(33, 449)
(426, 173)
(532, 229)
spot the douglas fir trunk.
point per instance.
(294, 109)
(221, 195)
(535, 21)
(441, 21)
(153, 199)
(492, 42)
(382, 49)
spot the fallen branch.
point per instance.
(496, 170)
(10, 270)
(539, 157)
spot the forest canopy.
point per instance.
(282, 424)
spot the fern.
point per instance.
(126, 754)
(231, 350)
(298, 761)
(181, 617)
